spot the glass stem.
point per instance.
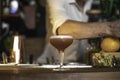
(61, 58)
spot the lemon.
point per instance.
(110, 44)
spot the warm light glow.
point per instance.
(16, 49)
(16, 42)
(17, 56)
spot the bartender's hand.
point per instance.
(115, 28)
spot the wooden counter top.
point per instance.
(28, 70)
(30, 73)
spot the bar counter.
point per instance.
(30, 73)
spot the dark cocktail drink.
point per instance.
(61, 42)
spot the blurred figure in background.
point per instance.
(68, 17)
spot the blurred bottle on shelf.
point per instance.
(14, 6)
(10, 6)
(5, 5)
(32, 2)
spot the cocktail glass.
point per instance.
(61, 42)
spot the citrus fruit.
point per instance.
(110, 44)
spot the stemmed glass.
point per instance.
(61, 42)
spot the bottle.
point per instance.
(6, 8)
(32, 2)
(14, 6)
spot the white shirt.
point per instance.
(60, 11)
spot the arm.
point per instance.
(89, 30)
(61, 22)
(115, 28)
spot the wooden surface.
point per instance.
(29, 70)
(28, 73)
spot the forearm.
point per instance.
(84, 30)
